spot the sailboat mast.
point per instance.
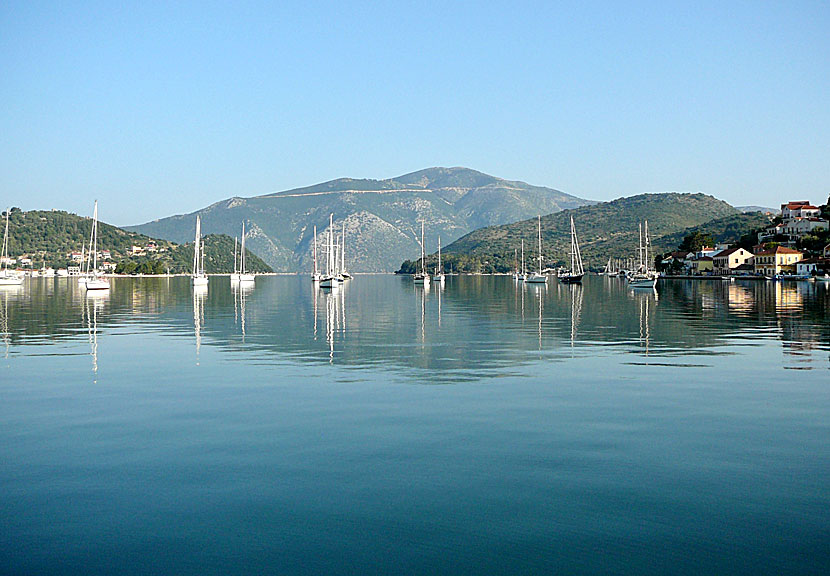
(6, 241)
(440, 270)
(523, 256)
(343, 250)
(423, 251)
(242, 251)
(315, 250)
(540, 244)
(95, 236)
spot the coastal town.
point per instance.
(775, 256)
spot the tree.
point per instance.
(696, 240)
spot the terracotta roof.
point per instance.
(795, 205)
(778, 250)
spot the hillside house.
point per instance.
(802, 209)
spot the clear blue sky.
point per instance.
(162, 108)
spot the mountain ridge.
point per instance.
(381, 217)
(605, 230)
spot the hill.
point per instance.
(380, 216)
(605, 230)
(50, 236)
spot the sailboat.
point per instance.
(94, 280)
(329, 279)
(315, 276)
(199, 277)
(538, 277)
(644, 276)
(522, 271)
(439, 271)
(8, 277)
(343, 274)
(576, 272)
(422, 277)
(243, 276)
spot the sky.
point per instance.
(162, 108)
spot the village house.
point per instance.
(778, 260)
(136, 250)
(802, 209)
(703, 265)
(797, 220)
(25, 261)
(727, 261)
(104, 255)
(75, 256)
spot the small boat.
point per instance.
(94, 278)
(199, 278)
(422, 277)
(575, 274)
(439, 270)
(8, 277)
(241, 276)
(538, 277)
(330, 278)
(643, 276)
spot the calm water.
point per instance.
(480, 428)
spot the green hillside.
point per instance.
(50, 236)
(605, 230)
(381, 217)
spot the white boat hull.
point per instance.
(10, 281)
(96, 284)
(200, 280)
(536, 279)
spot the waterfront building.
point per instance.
(727, 261)
(778, 260)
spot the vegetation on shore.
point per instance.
(49, 237)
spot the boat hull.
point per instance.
(571, 278)
(200, 280)
(536, 279)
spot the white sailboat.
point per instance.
(8, 277)
(575, 274)
(644, 276)
(439, 270)
(94, 279)
(422, 277)
(199, 277)
(538, 277)
(330, 279)
(315, 276)
(243, 277)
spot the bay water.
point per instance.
(479, 427)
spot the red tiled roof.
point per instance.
(778, 250)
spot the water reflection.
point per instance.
(94, 302)
(470, 326)
(199, 297)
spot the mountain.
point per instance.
(49, 236)
(605, 230)
(762, 209)
(381, 217)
